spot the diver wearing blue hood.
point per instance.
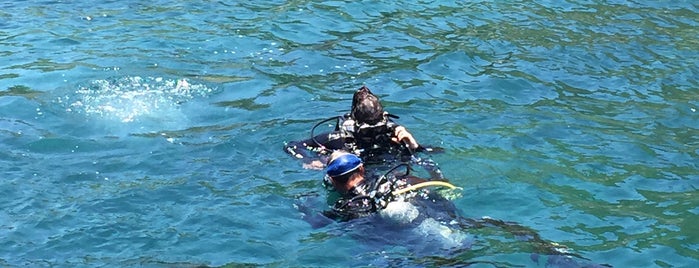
(362, 195)
(402, 203)
(367, 131)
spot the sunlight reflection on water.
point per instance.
(128, 99)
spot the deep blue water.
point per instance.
(575, 119)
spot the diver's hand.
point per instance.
(402, 135)
(315, 164)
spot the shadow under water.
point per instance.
(430, 231)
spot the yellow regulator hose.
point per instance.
(422, 185)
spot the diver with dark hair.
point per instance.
(367, 131)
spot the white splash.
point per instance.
(400, 211)
(434, 229)
(129, 99)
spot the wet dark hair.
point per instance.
(366, 107)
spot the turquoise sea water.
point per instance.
(576, 119)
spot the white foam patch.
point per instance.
(434, 229)
(130, 99)
(400, 211)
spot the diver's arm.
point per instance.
(412, 180)
(431, 167)
(307, 151)
(311, 151)
(401, 135)
(300, 149)
(314, 218)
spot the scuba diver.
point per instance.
(362, 195)
(367, 131)
(398, 208)
(383, 208)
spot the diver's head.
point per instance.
(366, 108)
(343, 163)
(344, 169)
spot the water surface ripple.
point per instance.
(149, 133)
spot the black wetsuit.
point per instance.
(370, 142)
(375, 192)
